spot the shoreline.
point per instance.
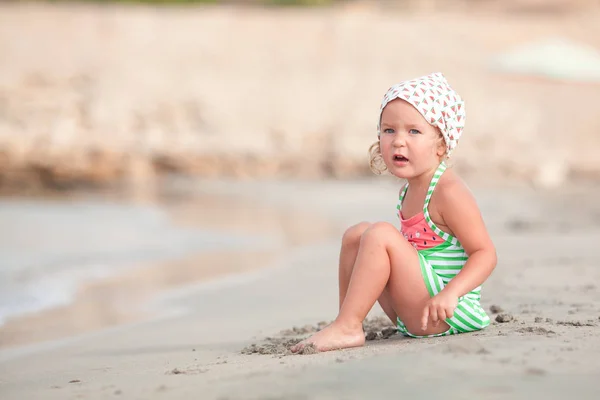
(129, 294)
(99, 305)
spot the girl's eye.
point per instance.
(414, 132)
(389, 130)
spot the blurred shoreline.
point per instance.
(81, 263)
(93, 97)
(125, 298)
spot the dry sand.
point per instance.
(545, 289)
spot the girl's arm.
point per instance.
(461, 214)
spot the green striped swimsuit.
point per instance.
(441, 257)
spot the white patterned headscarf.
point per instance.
(439, 104)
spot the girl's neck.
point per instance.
(422, 181)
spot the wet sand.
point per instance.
(542, 344)
(127, 297)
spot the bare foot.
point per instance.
(334, 337)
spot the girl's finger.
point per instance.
(425, 318)
(433, 314)
(442, 314)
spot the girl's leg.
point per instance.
(348, 253)
(385, 260)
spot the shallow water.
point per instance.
(49, 248)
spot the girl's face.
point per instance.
(409, 145)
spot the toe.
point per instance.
(296, 348)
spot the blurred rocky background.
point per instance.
(105, 94)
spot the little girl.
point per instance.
(427, 276)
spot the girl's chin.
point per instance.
(400, 169)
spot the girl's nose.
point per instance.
(399, 140)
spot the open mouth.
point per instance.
(400, 158)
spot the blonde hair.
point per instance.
(376, 163)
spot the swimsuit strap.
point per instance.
(434, 181)
(401, 198)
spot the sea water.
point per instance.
(49, 248)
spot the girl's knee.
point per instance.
(381, 230)
(353, 234)
(386, 234)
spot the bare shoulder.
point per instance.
(451, 201)
(454, 202)
(460, 213)
(452, 192)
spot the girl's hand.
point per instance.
(438, 308)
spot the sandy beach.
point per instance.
(173, 198)
(546, 281)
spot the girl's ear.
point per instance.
(441, 148)
(441, 145)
